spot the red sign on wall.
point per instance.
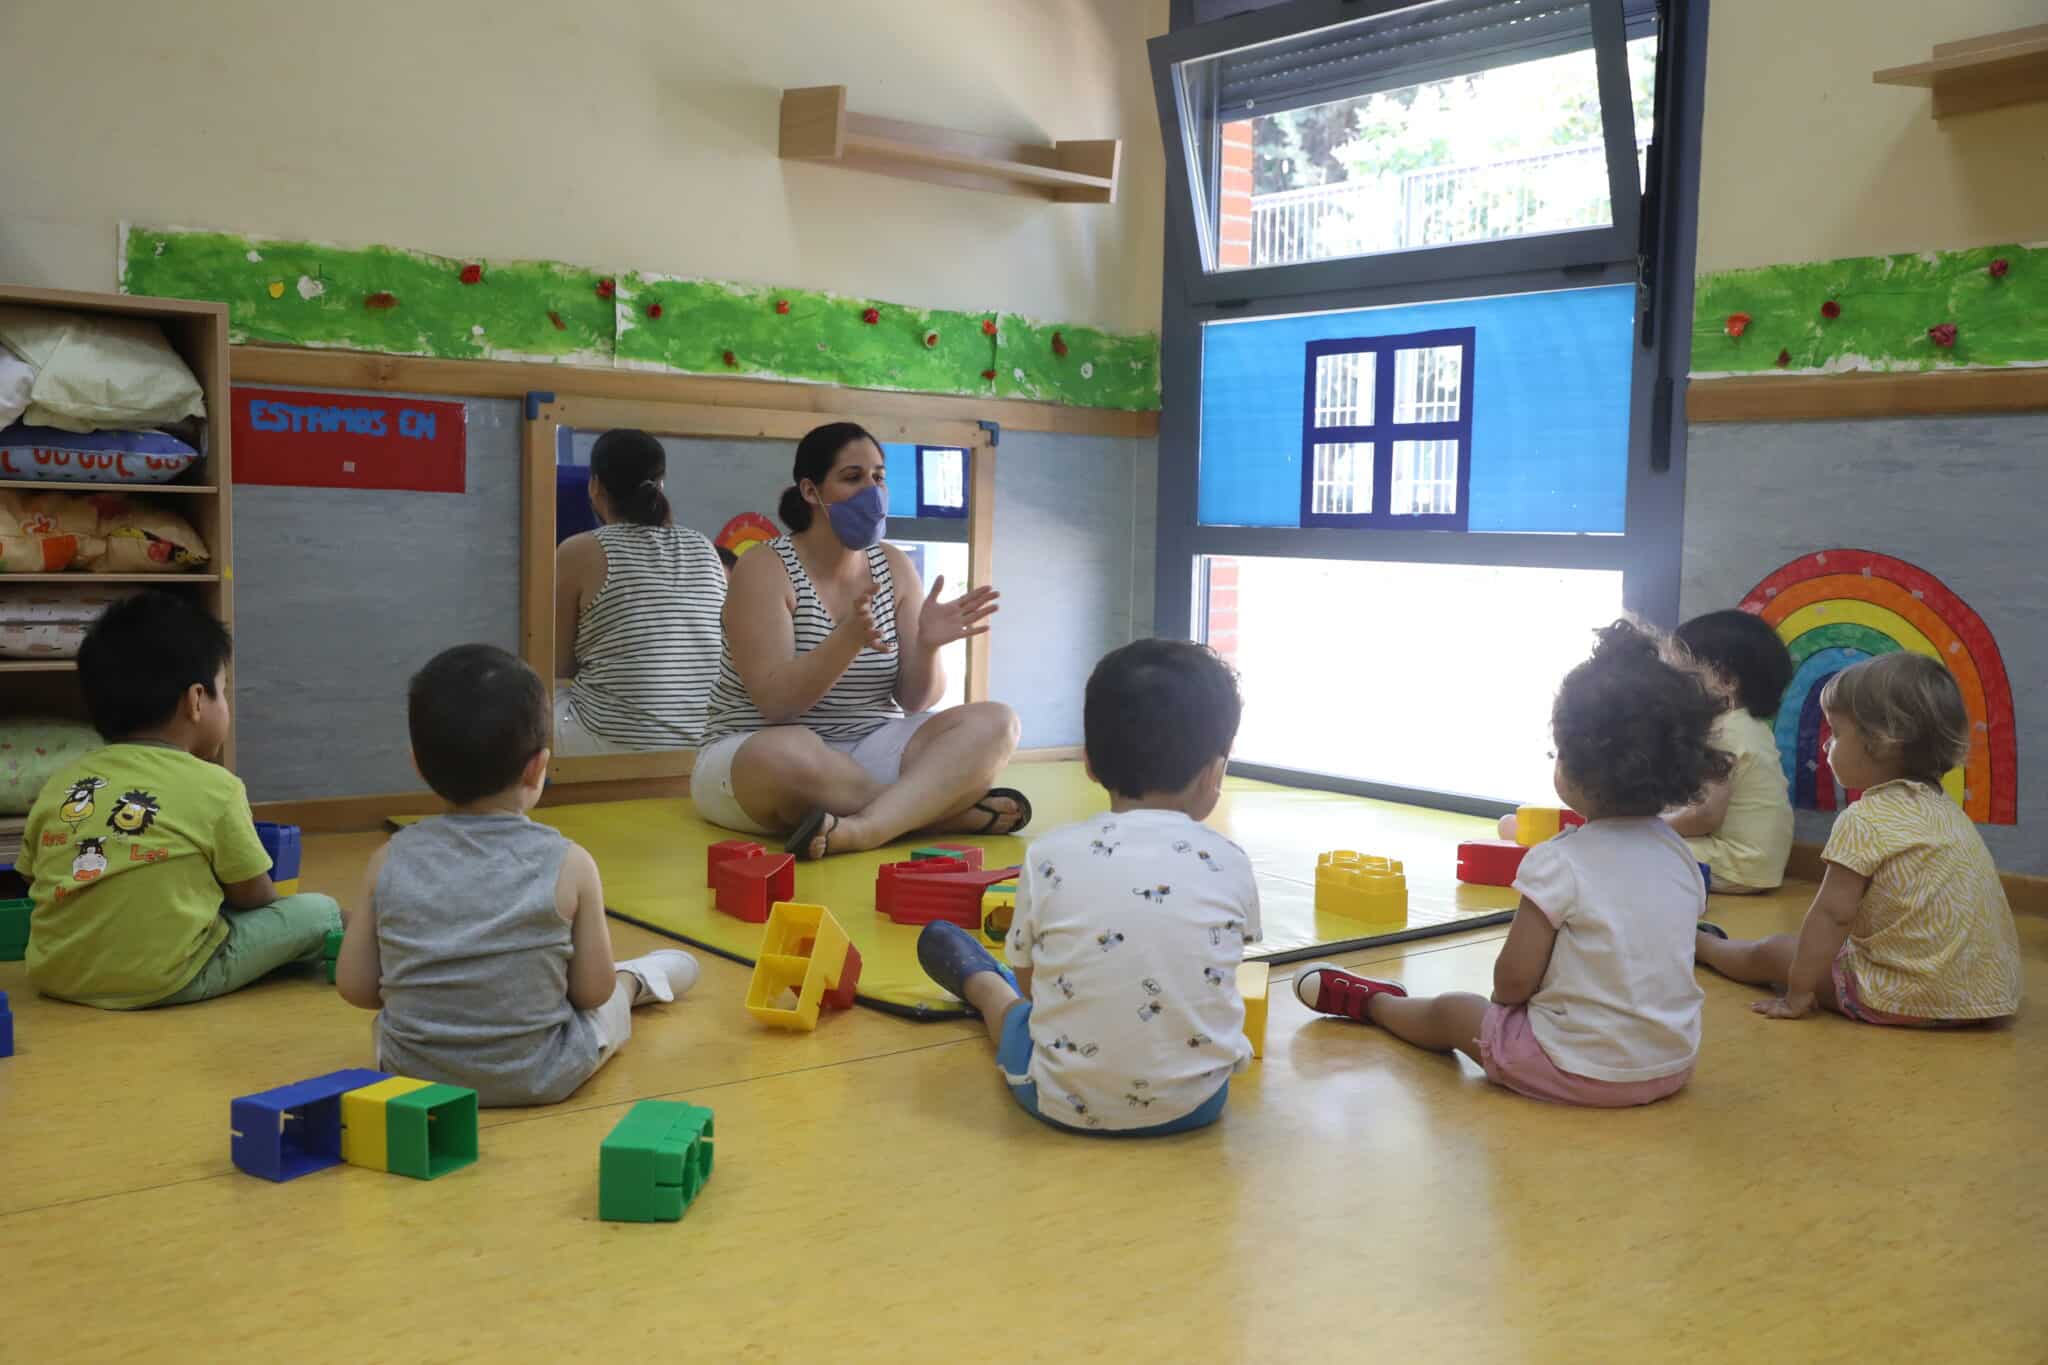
(330, 440)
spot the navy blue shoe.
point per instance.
(951, 956)
(1709, 927)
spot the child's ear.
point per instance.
(195, 701)
(535, 773)
(1089, 768)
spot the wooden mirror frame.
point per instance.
(546, 417)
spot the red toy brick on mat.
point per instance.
(1490, 862)
(724, 852)
(935, 889)
(840, 997)
(747, 887)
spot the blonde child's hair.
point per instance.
(1908, 703)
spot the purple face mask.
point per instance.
(861, 520)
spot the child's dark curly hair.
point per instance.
(1631, 727)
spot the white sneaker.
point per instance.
(663, 974)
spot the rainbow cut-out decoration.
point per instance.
(1839, 607)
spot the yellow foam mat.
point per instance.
(651, 854)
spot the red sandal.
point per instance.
(1327, 988)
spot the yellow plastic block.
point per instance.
(803, 949)
(998, 908)
(1253, 979)
(1361, 887)
(287, 888)
(365, 1141)
(1534, 824)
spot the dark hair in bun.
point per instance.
(630, 466)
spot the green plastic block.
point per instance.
(14, 929)
(330, 951)
(430, 1132)
(653, 1163)
(918, 855)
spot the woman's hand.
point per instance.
(941, 623)
(1789, 1006)
(860, 621)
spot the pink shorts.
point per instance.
(1512, 1057)
(1850, 998)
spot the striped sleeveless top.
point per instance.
(864, 698)
(647, 644)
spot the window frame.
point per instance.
(1384, 432)
(1568, 250)
(1650, 244)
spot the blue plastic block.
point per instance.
(1707, 876)
(281, 842)
(6, 1027)
(293, 1130)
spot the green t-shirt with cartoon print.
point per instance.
(126, 851)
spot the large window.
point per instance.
(1427, 288)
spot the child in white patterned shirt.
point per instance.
(1123, 1016)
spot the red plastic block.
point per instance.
(1569, 819)
(841, 997)
(1490, 862)
(747, 887)
(935, 889)
(726, 852)
(958, 852)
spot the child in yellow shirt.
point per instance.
(1741, 826)
(1911, 926)
(150, 885)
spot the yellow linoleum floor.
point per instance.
(1822, 1192)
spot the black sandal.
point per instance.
(1022, 813)
(799, 841)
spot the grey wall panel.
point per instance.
(711, 481)
(340, 595)
(1962, 498)
(1068, 540)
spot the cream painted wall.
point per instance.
(635, 133)
(1805, 159)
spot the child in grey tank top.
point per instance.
(482, 940)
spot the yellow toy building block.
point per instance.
(1253, 980)
(803, 951)
(365, 1134)
(1534, 824)
(998, 908)
(1361, 887)
(287, 888)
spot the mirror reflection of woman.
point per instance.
(819, 724)
(637, 605)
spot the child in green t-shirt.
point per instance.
(150, 885)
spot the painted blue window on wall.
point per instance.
(1548, 440)
(899, 469)
(941, 481)
(1386, 431)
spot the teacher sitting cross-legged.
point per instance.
(818, 723)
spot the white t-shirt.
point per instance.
(1619, 1001)
(1133, 926)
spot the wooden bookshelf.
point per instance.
(1972, 74)
(817, 126)
(198, 332)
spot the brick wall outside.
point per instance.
(1234, 233)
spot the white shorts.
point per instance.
(879, 754)
(573, 739)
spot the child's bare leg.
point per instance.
(994, 997)
(1752, 961)
(1440, 1023)
(1761, 962)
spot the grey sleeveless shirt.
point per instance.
(475, 961)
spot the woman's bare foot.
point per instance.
(844, 834)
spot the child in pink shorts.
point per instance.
(1594, 1000)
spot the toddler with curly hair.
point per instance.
(1594, 1001)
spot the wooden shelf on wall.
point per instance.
(817, 126)
(1991, 72)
